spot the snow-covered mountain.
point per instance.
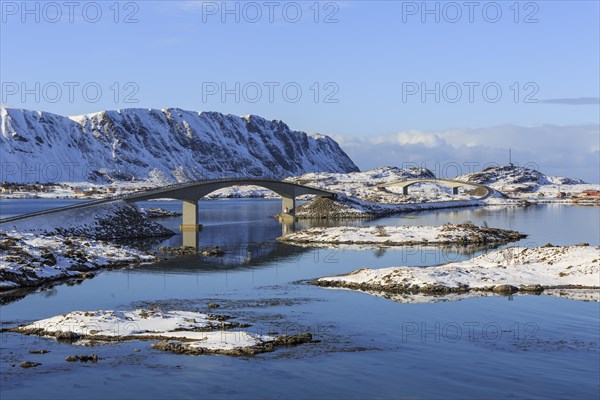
(169, 145)
(520, 178)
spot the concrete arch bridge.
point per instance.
(190, 193)
(484, 190)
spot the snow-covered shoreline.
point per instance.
(467, 234)
(30, 260)
(182, 332)
(505, 271)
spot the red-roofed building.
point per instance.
(591, 193)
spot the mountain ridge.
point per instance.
(168, 145)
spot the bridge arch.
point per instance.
(197, 190)
(454, 184)
(191, 192)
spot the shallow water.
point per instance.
(494, 347)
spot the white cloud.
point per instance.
(572, 150)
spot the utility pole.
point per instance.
(510, 156)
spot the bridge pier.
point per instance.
(190, 239)
(189, 223)
(288, 209)
(287, 227)
(189, 219)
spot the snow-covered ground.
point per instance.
(402, 235)
(28, 259)
(527, 183)
(503, 271)
(179, 331)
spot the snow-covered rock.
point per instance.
(157, 212)
(169, 145)
(503, 271)
(28, 259)
(180, 331)
(108, 324)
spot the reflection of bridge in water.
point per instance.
(238, 256)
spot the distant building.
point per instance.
(561, 195)
(591, 193)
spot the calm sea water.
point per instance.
(495, 347)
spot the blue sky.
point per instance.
(367, 63)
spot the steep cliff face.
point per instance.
(169, 145)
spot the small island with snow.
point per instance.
(181, 332)
(448, 234)
(506, 271)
